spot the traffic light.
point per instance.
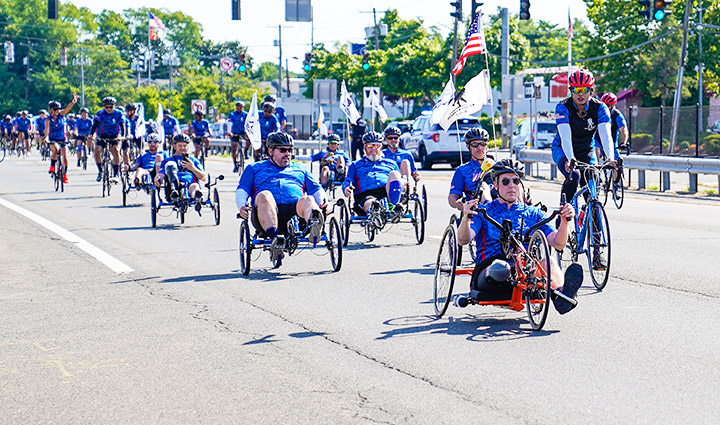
(457, 14)
(473, 10)
(366, 61)
(524, 10)
(235, 10)
(241, 63)
(660, 12)
(645, 12)
(9, 52)
(52, 9)
(307, 63)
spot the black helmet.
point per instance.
(239, 103)
(153, 138)
(477, 133)
(54, 104)
(392, 131)
(167, 112)
(182, 137)
(130, 107)
(372, 137)
(85, 110)
(108, 100)
(333, 138)
(198, 112)
(279, 138)
(508, 166)
(269, 98)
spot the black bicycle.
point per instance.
(106, 169)
(60, 170)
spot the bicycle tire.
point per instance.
(599, 277)
(538, 284)
(345, 223)
(334, 244)
(216, 206)
(419, 221)
(444, 274)
(153, 207)
(245, 248)
(2, 152)
(619, 193)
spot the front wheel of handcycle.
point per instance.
(344, 222)
(153, 207)
(537, 280)
(369, 230)
(334, 244)
(124, 179)
(598, 245)
(445, 267)
(245, 247)
(419, 221)
(423, 196)
(216, 206)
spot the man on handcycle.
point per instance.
(373, 177)
(182, 169)
(281, 189)
(466, 179)
(148, 163)
(578, 118)
(402, 157)
(332, 159)
(492, 271)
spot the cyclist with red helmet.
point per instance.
(579, 118)
(618, 131)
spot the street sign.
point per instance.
(226, 64)
(529, 89)
(512, 88)
(325, 91)
(558, 88)
(366, 95)
(198, 105)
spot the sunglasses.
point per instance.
(374, 145)
(392, 137)
(477, 145)
(580, 90)
(54, 109)
(506, 181)
(284, 150)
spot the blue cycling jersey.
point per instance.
(487, 236)
(108, 124)
(71, 125)
(366, 175)
(238, 121)
(131, 125)
(57, 127)
(23, 124)
(184, 175)
(399, 155)
(200, 128)
(7, 126)
(464, 181)
(83, 126)
(582, 129)
(170, 125)
(280, 112)
(287, 184)
(147, 160)
(617, 121)
(268, 125)
(40, 125)
(322, 154)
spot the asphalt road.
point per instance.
(184, 338)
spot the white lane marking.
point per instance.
(108, 260)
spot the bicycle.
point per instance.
(2, 150)
(612, 186)
(591, 228)
(200, 149)
(59, 172)
(106, 169)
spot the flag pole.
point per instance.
(148, 60)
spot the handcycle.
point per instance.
(181, 203)
(376, 219)
(590, 234)
(529, 274)
(295, 240)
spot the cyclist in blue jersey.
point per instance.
(331, 160)
(6, 127)
(618, 131)
(269, 123)
(39, 127)
(170, 125)
(578, 118)
(237, 133)
(182, 169)
(279, 111)
(22, 129)
(466, 179)
(200, 132)
(83, 125)
(110, 124)
(373, 177)
(402, 157)
(279, 189)
(492, 270)
(55, 134)
(146, 166)
(134, 132)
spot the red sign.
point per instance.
(560, 78)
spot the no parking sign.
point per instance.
(198, 105)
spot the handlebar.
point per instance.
(505, 226)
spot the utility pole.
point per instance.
(279, 62)
(287, 76)
(171, 61)
(701, 65)
(377, 31)
(82, 61)
(678, 90)
(505, 42)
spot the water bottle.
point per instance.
(581, 216)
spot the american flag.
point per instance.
(156, 23)
(570, 31)
(474, 44)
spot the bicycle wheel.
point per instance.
(370, 230)
(56, 181)
(419, 221)
(537, 276)
(619, 192)
(216, 206)
(125, 187)
(2, 152)
(84, 158)
(424, 198)
(605, 185)
(334, 244)
(60, 169)
(345, 223)
(445, 267)
(245, 248)
(181, 214)
(598, 245)
(153, 207)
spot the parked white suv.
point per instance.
(545, 130)
(430, 144)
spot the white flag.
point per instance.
(322, 128)
(441, 105)
(140, 114)
(377, 107)
(347, 105)
(252, 124)
(469, 100)
(159, 126)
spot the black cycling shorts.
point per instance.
(235, 138)
(285, 212)
(378, 193)
(111, 139)
(61, 142)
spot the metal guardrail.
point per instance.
(641, 163)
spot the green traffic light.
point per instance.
(242, 68)
(659, 15)
(307, 67)
(366, 66)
